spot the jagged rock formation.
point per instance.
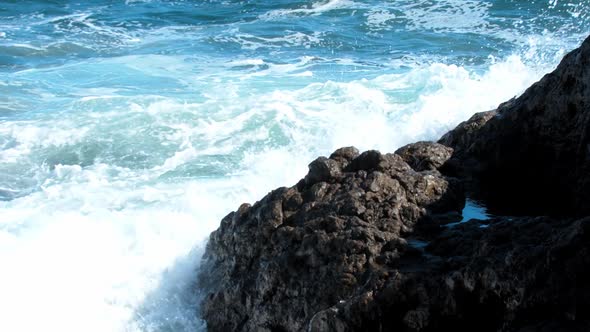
(528, 274)
(535, 150)
(300, 250)
(360, 244)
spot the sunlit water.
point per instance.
(129, 129)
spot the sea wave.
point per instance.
(127, 131)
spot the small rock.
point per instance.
(424, 156)
(323, 169)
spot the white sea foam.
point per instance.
(26, 136)
(263, 68)
(246, 62)
(463, 94)
(253, 42)
(77, 253)
(111, 249)
(447, 95)
(316, 8)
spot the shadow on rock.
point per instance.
(531, 156)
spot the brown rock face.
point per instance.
(423, 156)
(274, 265)
(360, 244)
(500, 278)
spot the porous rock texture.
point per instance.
(274, 265)
(360, 244)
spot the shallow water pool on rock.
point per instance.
(474, 210)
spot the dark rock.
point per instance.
(323, 169)
(497, 279)
(345, 155)
(532, 155)
(357, 245)
(424, 156)
(301, 250)
(466, 133)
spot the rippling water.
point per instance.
(129, 129)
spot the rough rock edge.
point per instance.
(531, 156)
(337, 252)
(343, 225)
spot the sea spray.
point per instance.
(128, 131)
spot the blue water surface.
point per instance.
(128, 129)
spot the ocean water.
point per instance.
(128, 129)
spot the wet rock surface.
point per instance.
(360, 244)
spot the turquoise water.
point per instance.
(129, 129)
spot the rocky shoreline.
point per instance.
(362, 242)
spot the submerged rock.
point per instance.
(359, 243)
